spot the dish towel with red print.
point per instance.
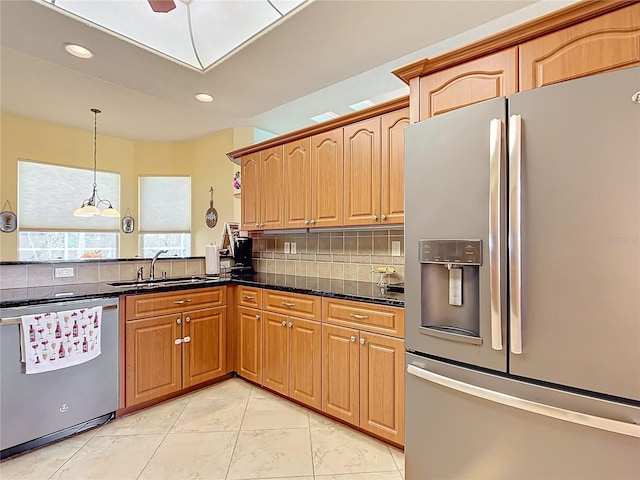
(55, 340)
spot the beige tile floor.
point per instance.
(231, 430)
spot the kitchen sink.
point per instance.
(162, 282)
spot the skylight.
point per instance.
(197, 33)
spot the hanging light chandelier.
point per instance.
(90, 206)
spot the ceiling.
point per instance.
(325, 56)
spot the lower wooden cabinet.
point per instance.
(363, 380)
(250, 344)
(291, 357)
(167, 348)
(167, 353)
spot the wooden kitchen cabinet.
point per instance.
(470, 82)
(153, 359)
(262, 205)
(341, 373)
(250, 204)
(173, 341)
(250, 344)
(363, 372)
(362, 172)
(608, 42)
(374, 170)
(392, 187)
(292, 346)
(313, 181)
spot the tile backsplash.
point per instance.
(43, 274)
(343, 255)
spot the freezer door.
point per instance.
(576, 302)
(466, 424)
(454, 189)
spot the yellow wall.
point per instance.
(204, 160)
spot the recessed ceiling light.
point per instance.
(78, 50)
(363, 104)
(323, 117)
(204, 97)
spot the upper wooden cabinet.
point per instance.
(392, 188)
(263, 182)
(608, 42)
(471, 82)
(362, 172)
(313, 181)
(327, 191)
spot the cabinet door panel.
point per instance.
(327, 189)
(250, 340)
(250, 204)
(340, 373)
(297, 181)
(606, 43)
(382, 386)
(362, 172)
(305, 361)
(488, 77)
(272, 188)
(152, 358)
(275, 362)
(204, 355)
(393, 125)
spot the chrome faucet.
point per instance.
(152, 269)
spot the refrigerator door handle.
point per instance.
(515, 232)
(495, 239)
(607, 424)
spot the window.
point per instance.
(165, 215)
(47, 197)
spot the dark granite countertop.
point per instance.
(347, 289)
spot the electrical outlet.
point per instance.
(225, 263)
(395, 249)
(287, 247)
(64, 272)
(293, 248)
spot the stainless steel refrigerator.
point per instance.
(522, 285)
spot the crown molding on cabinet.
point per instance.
(382, 108)
(560, 19)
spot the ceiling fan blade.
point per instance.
(162, 6)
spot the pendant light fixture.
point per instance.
(89, 206)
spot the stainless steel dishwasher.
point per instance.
(40, 408)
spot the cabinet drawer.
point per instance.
(365, 316)
(298, 305)
(150, 304)
(249, 296)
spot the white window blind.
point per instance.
(48, 195)
(165, 204)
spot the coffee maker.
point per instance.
(242, 253)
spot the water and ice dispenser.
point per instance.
(450, 288)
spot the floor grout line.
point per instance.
(235, 445)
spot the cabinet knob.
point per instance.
(257, 225)
(261, 225)
(384, 217)
(178, 321)
(257, 317)
(306, 222)
(188, 319)
(177, 341)
(284, 323)
(188, 339)
(361, 341)
(353, 338)
(290, 324)
(375, 217)
(313, 222)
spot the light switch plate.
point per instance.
(395, 248)
(293, 248)
(64, 272)
(287, 247)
